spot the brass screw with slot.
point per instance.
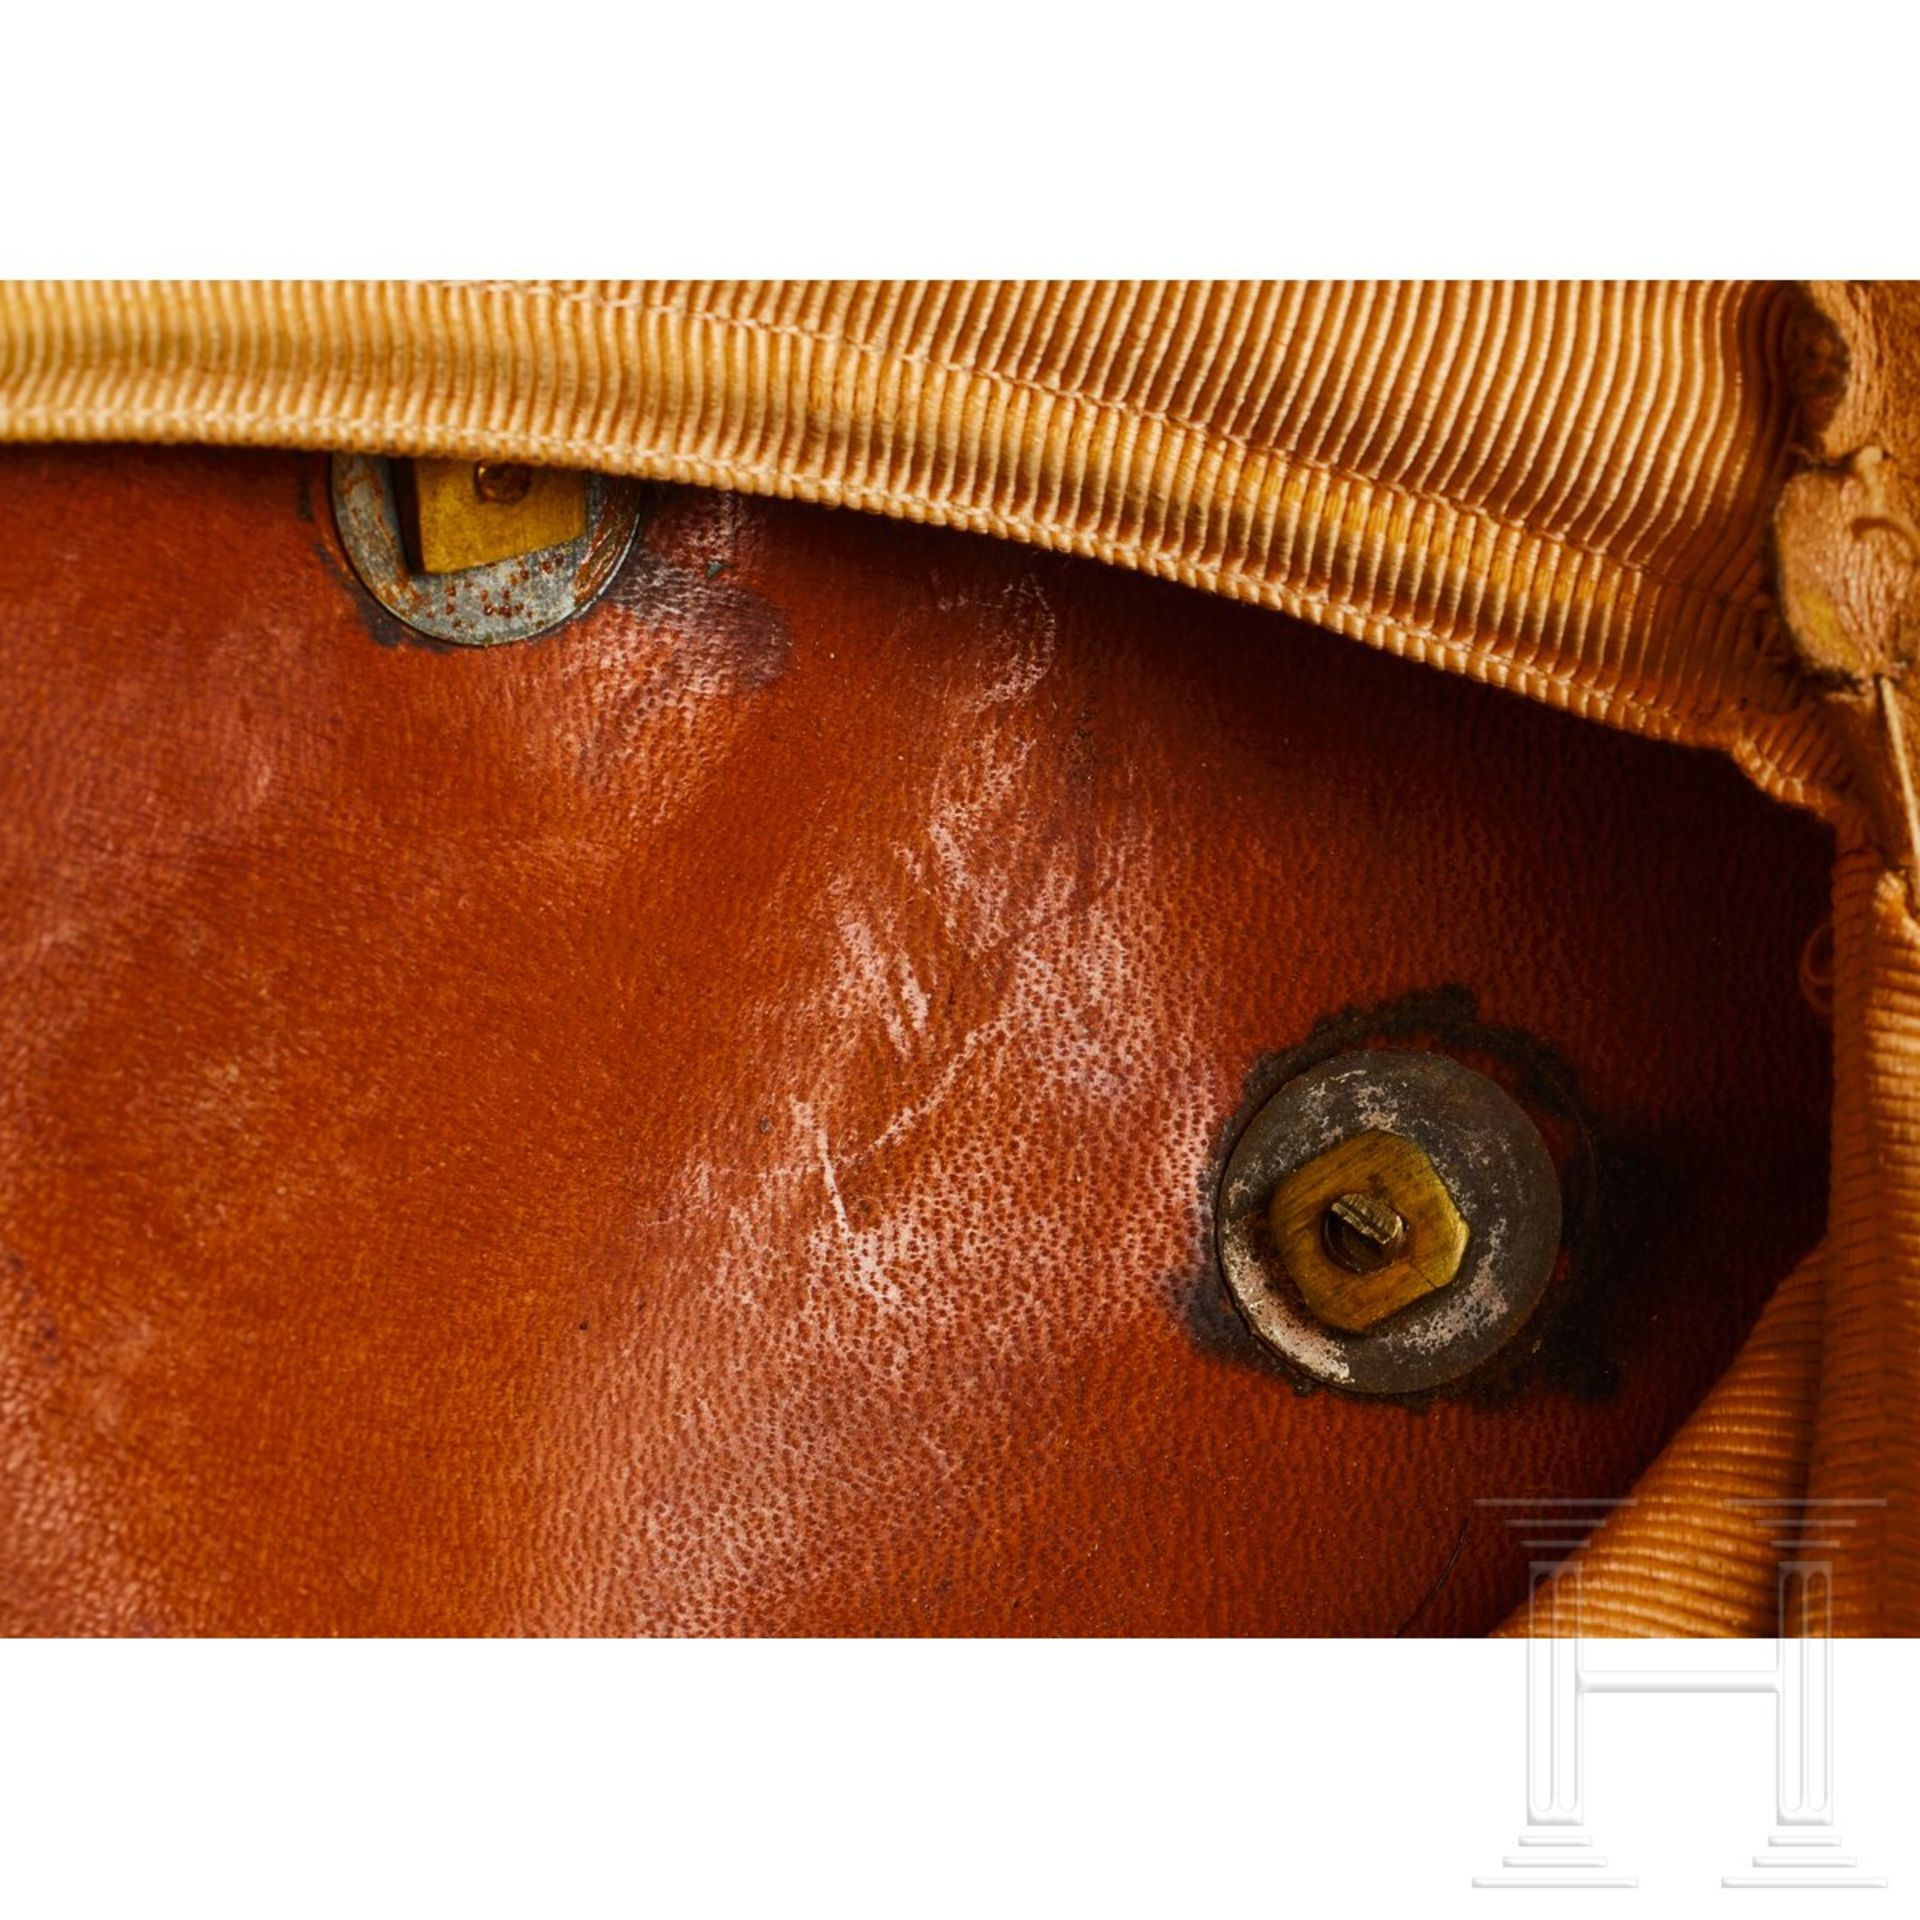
(1362, 1232)
(457, 514)
(1366, 1228)
(503, 482)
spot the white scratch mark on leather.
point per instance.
(866, 1269)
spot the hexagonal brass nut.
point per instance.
(1388, 1170)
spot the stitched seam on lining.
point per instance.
(1757, 601)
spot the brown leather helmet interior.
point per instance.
(711, 1120)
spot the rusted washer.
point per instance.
(489, 605)
(1496, 1169)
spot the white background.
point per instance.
(823, 137)
(883, 1779)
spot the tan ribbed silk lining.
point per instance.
(1695, 1552)
(1559, 489)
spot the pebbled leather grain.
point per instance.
(703, 1123)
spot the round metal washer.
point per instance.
(483, 606)
(1494, 1164)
